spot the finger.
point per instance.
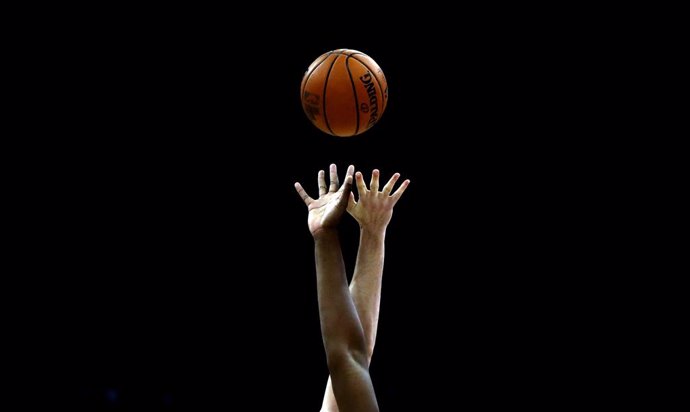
(374, 185)
(322, 183)
(389, 186)
(350, 170)
(303, 194)
(401, 190)
(361, 187)
(346, 191)
(334, 178)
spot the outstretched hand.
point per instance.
(374, 209)
(325, 211)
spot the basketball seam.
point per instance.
(312, 72)
(354, 91)
(377, 82)
(325, 87)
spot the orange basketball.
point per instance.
(344, 92)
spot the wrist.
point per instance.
(372, 233)
(325, 233)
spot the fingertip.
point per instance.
(376, 171)
(359, 175)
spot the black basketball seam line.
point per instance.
(325, 86)
(312, 71)
(354, 91)
(307, 81)
(377, 82)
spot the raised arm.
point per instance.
(373, 211)
(341, 330)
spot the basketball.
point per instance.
(344, 92)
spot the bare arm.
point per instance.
(342, 333)
(373, 212)
(341, 330)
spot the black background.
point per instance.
(180, 260)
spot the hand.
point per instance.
(374, 209)
(326, 211)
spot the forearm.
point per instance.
(365, 289)
(366, 283)
(340, 325)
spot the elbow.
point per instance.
(343, 357)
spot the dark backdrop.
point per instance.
(183, 267)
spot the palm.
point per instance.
(326, 211)
(374, 208)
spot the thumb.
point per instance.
(351, 202)
(347, 191)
